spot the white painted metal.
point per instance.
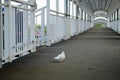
(73, 26)
(17, 33)
(19, 27)
(56, 29)
(67, 28)
(59, 27)
(28, 2)
(43, 27)
(1, 36)
(119, 20)
(114, 21)
(48, 23)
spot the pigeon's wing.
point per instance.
(61, 57)
(57, 57)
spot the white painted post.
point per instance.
(6, 33)
(83, 21)
(1, 36)
(9, 30)
(32, 31)
(25, 30)
(113, 22)
(119, 20)
(77, 22)
(72, 8)
(65, 12)
(43, 27)
(12, 32)
(48, 23)
(57, 6)
(86, 21)
(32, 28)
(57, 21)
(67, 21)
(117, 25)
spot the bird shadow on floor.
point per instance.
(54, 61)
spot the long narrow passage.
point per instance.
(93, 55)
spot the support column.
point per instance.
(69, 8)
(1, 36)
(25, 25)
(32, 27)
(9, 30)
(48, 23)
(72, 8)
(119, 20)
(43, 27)
(57, 6)
(67, 21)
(65, 7)
(77, 11)
(81, 14)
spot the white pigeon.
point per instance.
(60, 57)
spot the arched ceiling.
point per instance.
(99, 5)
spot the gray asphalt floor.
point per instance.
(93, 55)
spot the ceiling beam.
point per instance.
(92, 6)
(109, 5)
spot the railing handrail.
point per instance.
(41, 9)
(24, 2)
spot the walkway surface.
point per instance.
(93, 55)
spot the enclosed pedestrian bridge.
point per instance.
(87, 30)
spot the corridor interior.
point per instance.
(93, 55)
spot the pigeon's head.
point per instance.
(63, 52)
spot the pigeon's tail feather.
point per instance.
(57, 57)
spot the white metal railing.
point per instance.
(59, 28)
(17, 23)
(114, 25)
(114, 21)
(40, 32)
(19, 35)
